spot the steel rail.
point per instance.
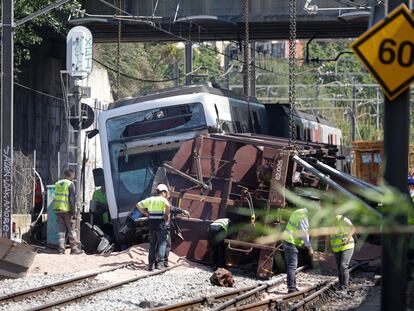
(261, 288)
(239, 295)
(94, 291)
(31, 291)
(309, 295)
(279, 302)
(315, 296)
(185, 305)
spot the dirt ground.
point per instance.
(137, 255)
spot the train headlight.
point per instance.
(160, 114)
(149, 116)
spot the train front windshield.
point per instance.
(133, 169)
(133, 175)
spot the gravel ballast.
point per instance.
(168, 288)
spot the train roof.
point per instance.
(185, 90)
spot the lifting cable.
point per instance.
(247, 51)
(292, 72)
(118, 52)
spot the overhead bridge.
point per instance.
(216, 20)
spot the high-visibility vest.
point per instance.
(336, 240)
(61, 200)
(99, 196)
(155, 206)
(223, 223)
(293, 226)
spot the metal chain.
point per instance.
(292, 70)
(247, 57)
(118, 52)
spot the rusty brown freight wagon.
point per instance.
(239, 176)
(367, 159)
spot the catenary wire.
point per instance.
(38, 92)
(153, 25)
(135, 78)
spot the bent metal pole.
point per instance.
(325, 179)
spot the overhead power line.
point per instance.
(149, 80)
(38, 92)
(153, 25)
(134, 78)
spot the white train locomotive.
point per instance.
(138, 134)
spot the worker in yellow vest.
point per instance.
(157, 209)
(342, 244)
(217, 232)
(295, 236)
(99, 196)
(64, 206)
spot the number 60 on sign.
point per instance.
(387, 51)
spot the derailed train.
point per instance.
(139, 136)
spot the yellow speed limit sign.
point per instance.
(387, 50)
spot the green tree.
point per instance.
(145, 66)
(32, 33)
(324, 86)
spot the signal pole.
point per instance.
(79, 66)
(7, 67)
(7, 117)
(394, 246)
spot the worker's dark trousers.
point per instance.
(291, 259)
(342, 263)
(66, 223)
(158, 243)
(168, 246)
(216, 236)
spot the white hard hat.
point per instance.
(162, 187)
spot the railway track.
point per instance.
(229, 298)
(250, 298)
(43, 290)
(300, 300)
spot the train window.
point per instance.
(238, 126)
(298, 133)
(316, 134)
(236, 117)
(226, 127)
(245, 120)
(257, 127)
(307, 134)
(157, 121)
